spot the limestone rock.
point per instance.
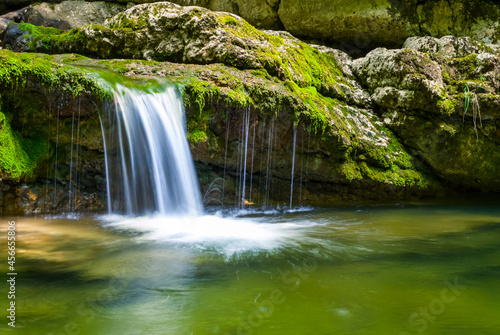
(401, 78)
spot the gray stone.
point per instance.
(71, 14)
(448, 46)
(14, 16)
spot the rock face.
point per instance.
(364, 25)
(10, 17)
(357, 26)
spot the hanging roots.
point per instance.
(472, 102)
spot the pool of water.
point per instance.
(400, 269)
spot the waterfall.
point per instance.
(149, 168)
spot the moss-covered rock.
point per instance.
(167, 32)
(349, 143)
(441, 98)
(48, 119)
(357, 26)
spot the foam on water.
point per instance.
(228, 235)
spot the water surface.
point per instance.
(430, 268)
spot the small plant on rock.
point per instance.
(472, 102)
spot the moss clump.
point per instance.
(47, 38)
(391, 164)
(18, 155)
(198, 92)
(196, 95)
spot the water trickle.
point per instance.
(293, 164)
(148, 161)
(77, 175)
(261, 170)
(55, 166)
(246, 126)
(225, 157)
(269, 164)
(70, 195)
(251, 168)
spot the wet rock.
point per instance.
(401, 78)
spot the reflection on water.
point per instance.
(401, 269)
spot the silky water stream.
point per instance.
(157, 263)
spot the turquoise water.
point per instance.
(424, 268)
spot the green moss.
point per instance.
(466, 65)
(24, 130)
(391, 164)
(238, 98)
(197, 136)
(18, 155)
(48, 38)
(447, 105)
(15, 69)
(196, 95)
(225, 20)
(351, 171)
(199, 92)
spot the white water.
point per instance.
(149, 166)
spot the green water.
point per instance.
(392, 269)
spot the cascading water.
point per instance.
(149, 166)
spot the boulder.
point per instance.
(14, 16)
(440, 97)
